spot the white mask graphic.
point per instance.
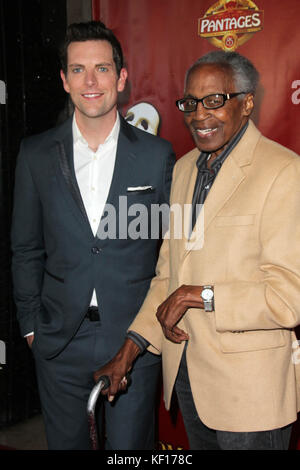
(144, 116)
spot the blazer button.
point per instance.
(96, 250)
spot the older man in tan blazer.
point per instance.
(223, 306)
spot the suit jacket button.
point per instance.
(96, 250)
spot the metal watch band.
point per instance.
(208, 304)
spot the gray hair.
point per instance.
(244, 73)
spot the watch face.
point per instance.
(207, 294)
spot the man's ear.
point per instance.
(122, 79)
(65, 81)
(248, 104)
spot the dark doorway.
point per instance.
(31, 100)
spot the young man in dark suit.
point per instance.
(79, 275)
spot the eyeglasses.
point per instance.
(217, 100)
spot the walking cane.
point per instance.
(102, 384)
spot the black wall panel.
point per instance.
(30, 31)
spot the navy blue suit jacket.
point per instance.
(57, 261)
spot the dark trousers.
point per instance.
(65, 383)
(203, 438)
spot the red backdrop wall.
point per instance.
(160, 41)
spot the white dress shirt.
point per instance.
(94, 172)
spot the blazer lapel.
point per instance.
(227, 182)
(124, 164)
(184, 196)
(66, 172)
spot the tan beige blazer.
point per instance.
(243, 357)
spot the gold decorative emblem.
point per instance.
(164, 446)
(228, 24)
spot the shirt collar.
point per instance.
(112, 137)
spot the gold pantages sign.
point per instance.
(228, 24)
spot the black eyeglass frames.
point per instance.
(214, 101)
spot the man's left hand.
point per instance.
(174, 307)
(117, 369)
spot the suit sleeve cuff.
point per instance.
(141, 342)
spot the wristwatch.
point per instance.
(207, 295)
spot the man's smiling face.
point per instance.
(212, 129)
(92, 80)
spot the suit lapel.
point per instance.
(66, 173)
(184, 197)
(124, 164)
(227, 182)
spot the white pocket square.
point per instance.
(139, 188)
